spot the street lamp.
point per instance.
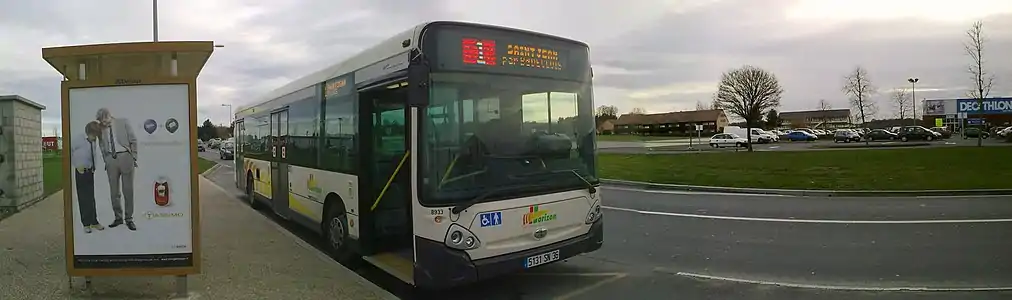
(229, 112)
(154, 19)
(913, 96)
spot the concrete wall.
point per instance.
(21, 146)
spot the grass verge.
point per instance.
(203, 165)
(52, 174)
(939, 168)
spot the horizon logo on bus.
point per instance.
(535, 215)
(1001, 105)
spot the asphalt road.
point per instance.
(663, 244)
(682, 146)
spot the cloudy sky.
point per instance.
(660, 55)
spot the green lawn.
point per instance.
(635, 138)
(52, 174)
(203, 165)
(52, 177)
(886, 169)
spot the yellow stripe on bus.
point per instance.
(390, 180)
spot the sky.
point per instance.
(659, 55)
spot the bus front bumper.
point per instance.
(450, 267)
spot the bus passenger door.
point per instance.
(279, 163)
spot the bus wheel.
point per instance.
(335, 232)
(250, 196)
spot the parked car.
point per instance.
(201, 147)
(974, 132)
(907, 133)
(727, 139)
(226, 151)
(846, 136)
(1004, 132)
(946, 133)
(801, 136)
(880, 135)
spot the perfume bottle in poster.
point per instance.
(162, 191)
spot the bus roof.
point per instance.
(385, 49)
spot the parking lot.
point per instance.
(683, 145)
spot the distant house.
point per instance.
(820, 119)
(606, 127)
(672, 123)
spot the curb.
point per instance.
(211, 169)
(806, 193)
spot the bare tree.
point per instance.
(638, 111)
(823, 107)
(702, 106)
(857, 85)
(748, 92)
(982, 81)
(901, 101)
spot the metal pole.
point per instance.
(913, 99)
(154, 12)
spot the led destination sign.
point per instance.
(485, 52)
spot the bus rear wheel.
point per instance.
(335, 234)
(250, 196)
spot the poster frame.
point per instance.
(68, 211)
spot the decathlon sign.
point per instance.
(990, 105)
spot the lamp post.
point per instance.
(229, 112)
(154, 19)
(913, 96)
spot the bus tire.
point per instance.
(335, 230)
(250, 195)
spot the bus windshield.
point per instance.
(506, 133)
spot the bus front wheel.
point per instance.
(335, 231)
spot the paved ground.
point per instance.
(656, 256)
(683, 146)
(244, 257)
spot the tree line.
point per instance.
(208, 130)
(753, 94)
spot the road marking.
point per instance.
(658, 213)
(584, 290)
(692, 192)
(847, 288)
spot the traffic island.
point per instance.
(244, 256)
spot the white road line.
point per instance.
(712, 217)
(848, 288)
(692, 192)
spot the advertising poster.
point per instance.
(934, 107)
(130, 165)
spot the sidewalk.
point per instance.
(245, 256)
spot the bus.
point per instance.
(450, 153)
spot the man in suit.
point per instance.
(119, 151)
(82, 157)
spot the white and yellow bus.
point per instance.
(450, 153)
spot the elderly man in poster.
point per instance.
(119, 151)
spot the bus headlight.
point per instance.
(458, 237)
(595, 213)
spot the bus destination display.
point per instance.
(485, 52)
(478, 52)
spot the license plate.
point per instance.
(541, 259)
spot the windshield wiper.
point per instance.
(461, 207)
(590, 186)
